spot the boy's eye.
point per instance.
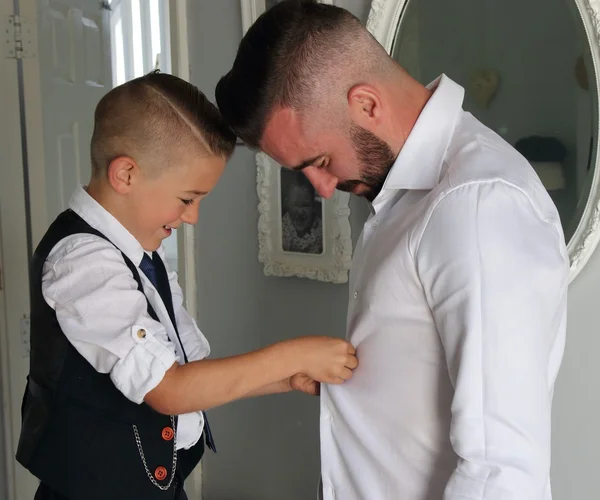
(186, 202)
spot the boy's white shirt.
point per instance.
(100, 310)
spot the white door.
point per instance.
(70, 75)
(67, 73)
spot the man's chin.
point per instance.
(355, 187)
(359, 188)
(370, 196)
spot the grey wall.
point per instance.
(3, 490)
(268, 447)
(576, 429)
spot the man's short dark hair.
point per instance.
(281, 54)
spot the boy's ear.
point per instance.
(122, 174)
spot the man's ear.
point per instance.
(123, 172)
(364, 105)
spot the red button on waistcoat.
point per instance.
(167, 433)
(160, 473)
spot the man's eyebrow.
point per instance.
(306, 163)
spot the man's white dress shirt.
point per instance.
(100, 309)
(458, 296)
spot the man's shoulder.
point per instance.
(478, 156)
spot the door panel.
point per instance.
(63, 80)
(75, 72)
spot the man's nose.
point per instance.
(323, 182)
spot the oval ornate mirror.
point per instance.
(530, 72)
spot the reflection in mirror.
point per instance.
(530, 80)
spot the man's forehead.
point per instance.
(283, 138)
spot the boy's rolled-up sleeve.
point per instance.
(103, 314)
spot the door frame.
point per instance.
(34, 130)
(14, 266)
(180, 66)
(12, 242)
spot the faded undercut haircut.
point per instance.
(293, 56)
(157, 119)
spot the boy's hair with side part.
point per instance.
(157, 119)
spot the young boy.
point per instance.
(118, 379)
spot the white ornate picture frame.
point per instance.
(251, 9)
(335, 246)
(383, 20)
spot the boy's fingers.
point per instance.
(345, 373)
(352, 362)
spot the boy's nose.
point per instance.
(190, 214)
(323, 182)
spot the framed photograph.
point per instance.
(251, 9)
(300, 233)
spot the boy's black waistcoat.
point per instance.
(77, 434)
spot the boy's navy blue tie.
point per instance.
(155, 271)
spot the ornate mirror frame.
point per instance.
(383, 20)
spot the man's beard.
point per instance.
(375, 158)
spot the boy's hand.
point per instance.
(304, 383)
(325, 359)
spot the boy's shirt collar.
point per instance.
(102, 220)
